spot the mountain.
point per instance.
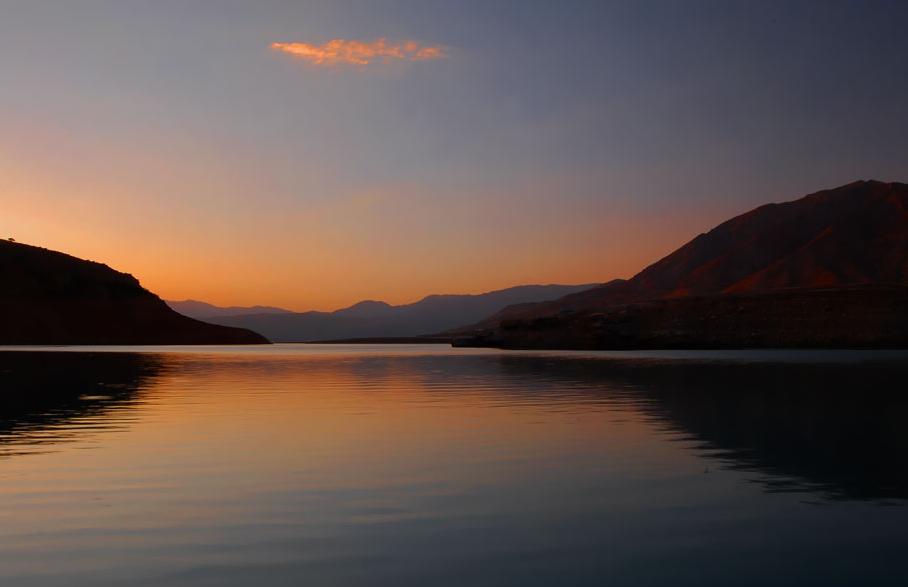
(202, 311)
(834, 263)
(371, 318)
(51, 298)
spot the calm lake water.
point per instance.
(425, 465)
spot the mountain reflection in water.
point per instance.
(47, 398)
(334, 465)
(835, 429)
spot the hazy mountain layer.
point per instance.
(369, 318)
(203, 311)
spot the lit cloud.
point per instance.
(339, 52)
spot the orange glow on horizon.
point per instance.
(194, 232)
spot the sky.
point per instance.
(313, 154)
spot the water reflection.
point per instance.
(417, 468)
(48, 398)
(837, 430)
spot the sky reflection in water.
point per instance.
(426, 465)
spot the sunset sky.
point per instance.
(313, 154)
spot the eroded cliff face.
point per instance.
(47, 297)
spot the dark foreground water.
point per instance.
(304, 465)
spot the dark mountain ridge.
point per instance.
(849, 235)
(846, 246)
(54, 298)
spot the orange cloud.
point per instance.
(361, 53)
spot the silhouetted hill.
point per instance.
(370, 318)
(53, 298)
(203, 311)
(838, 249)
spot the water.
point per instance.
(412, 465)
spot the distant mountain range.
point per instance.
(371, 318)
(53, 298)
(203, 311)
(829, 269)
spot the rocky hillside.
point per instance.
(51, 298)
(836, 249)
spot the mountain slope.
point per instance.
(53, 298)
(849, 235)
(370, 318)
(853, 238)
